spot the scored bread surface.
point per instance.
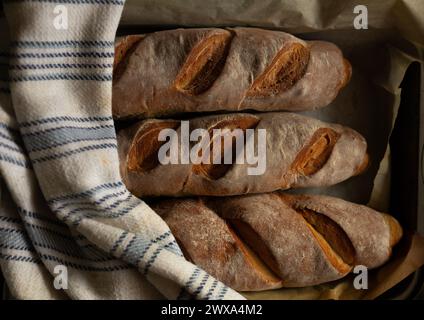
(257, 242)
(300, 152)
(210, 69)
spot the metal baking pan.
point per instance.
(407, 151)
(407, 163)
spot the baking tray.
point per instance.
(407, 162)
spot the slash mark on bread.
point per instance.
(330, 236)
(143, 154)
(252, 258)
(204, 64)
(216, 168)
(122, 53)
(335, 237)
(285, 70)
(254, 241)
(315, 154)
(330, 253)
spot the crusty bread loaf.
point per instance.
(300, 152)
(302, 240)
(207, 241)
(197, 70)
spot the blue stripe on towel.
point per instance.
(63, 76)
(16, 239)
(64, 119)
(42, 140)
(89, 192)
(61, 66)
(17, 162)
(9, 257)
(195, 274)
(93, 2)
(42, 55)
(154, 256)
(62, 44)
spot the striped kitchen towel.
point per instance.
(68, 226)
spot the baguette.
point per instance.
(198, 70)
(209, 242)
(300, 152)
(282, 240)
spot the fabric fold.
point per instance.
(59, 162)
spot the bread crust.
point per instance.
(299, 258)
(189, 70)
(363, 227)
(292, 144)
(295, 248)
(207, 240)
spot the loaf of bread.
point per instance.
(197, 70)
(300, 152)
(266, 241)
(209, 242)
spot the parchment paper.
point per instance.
(379, 56)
